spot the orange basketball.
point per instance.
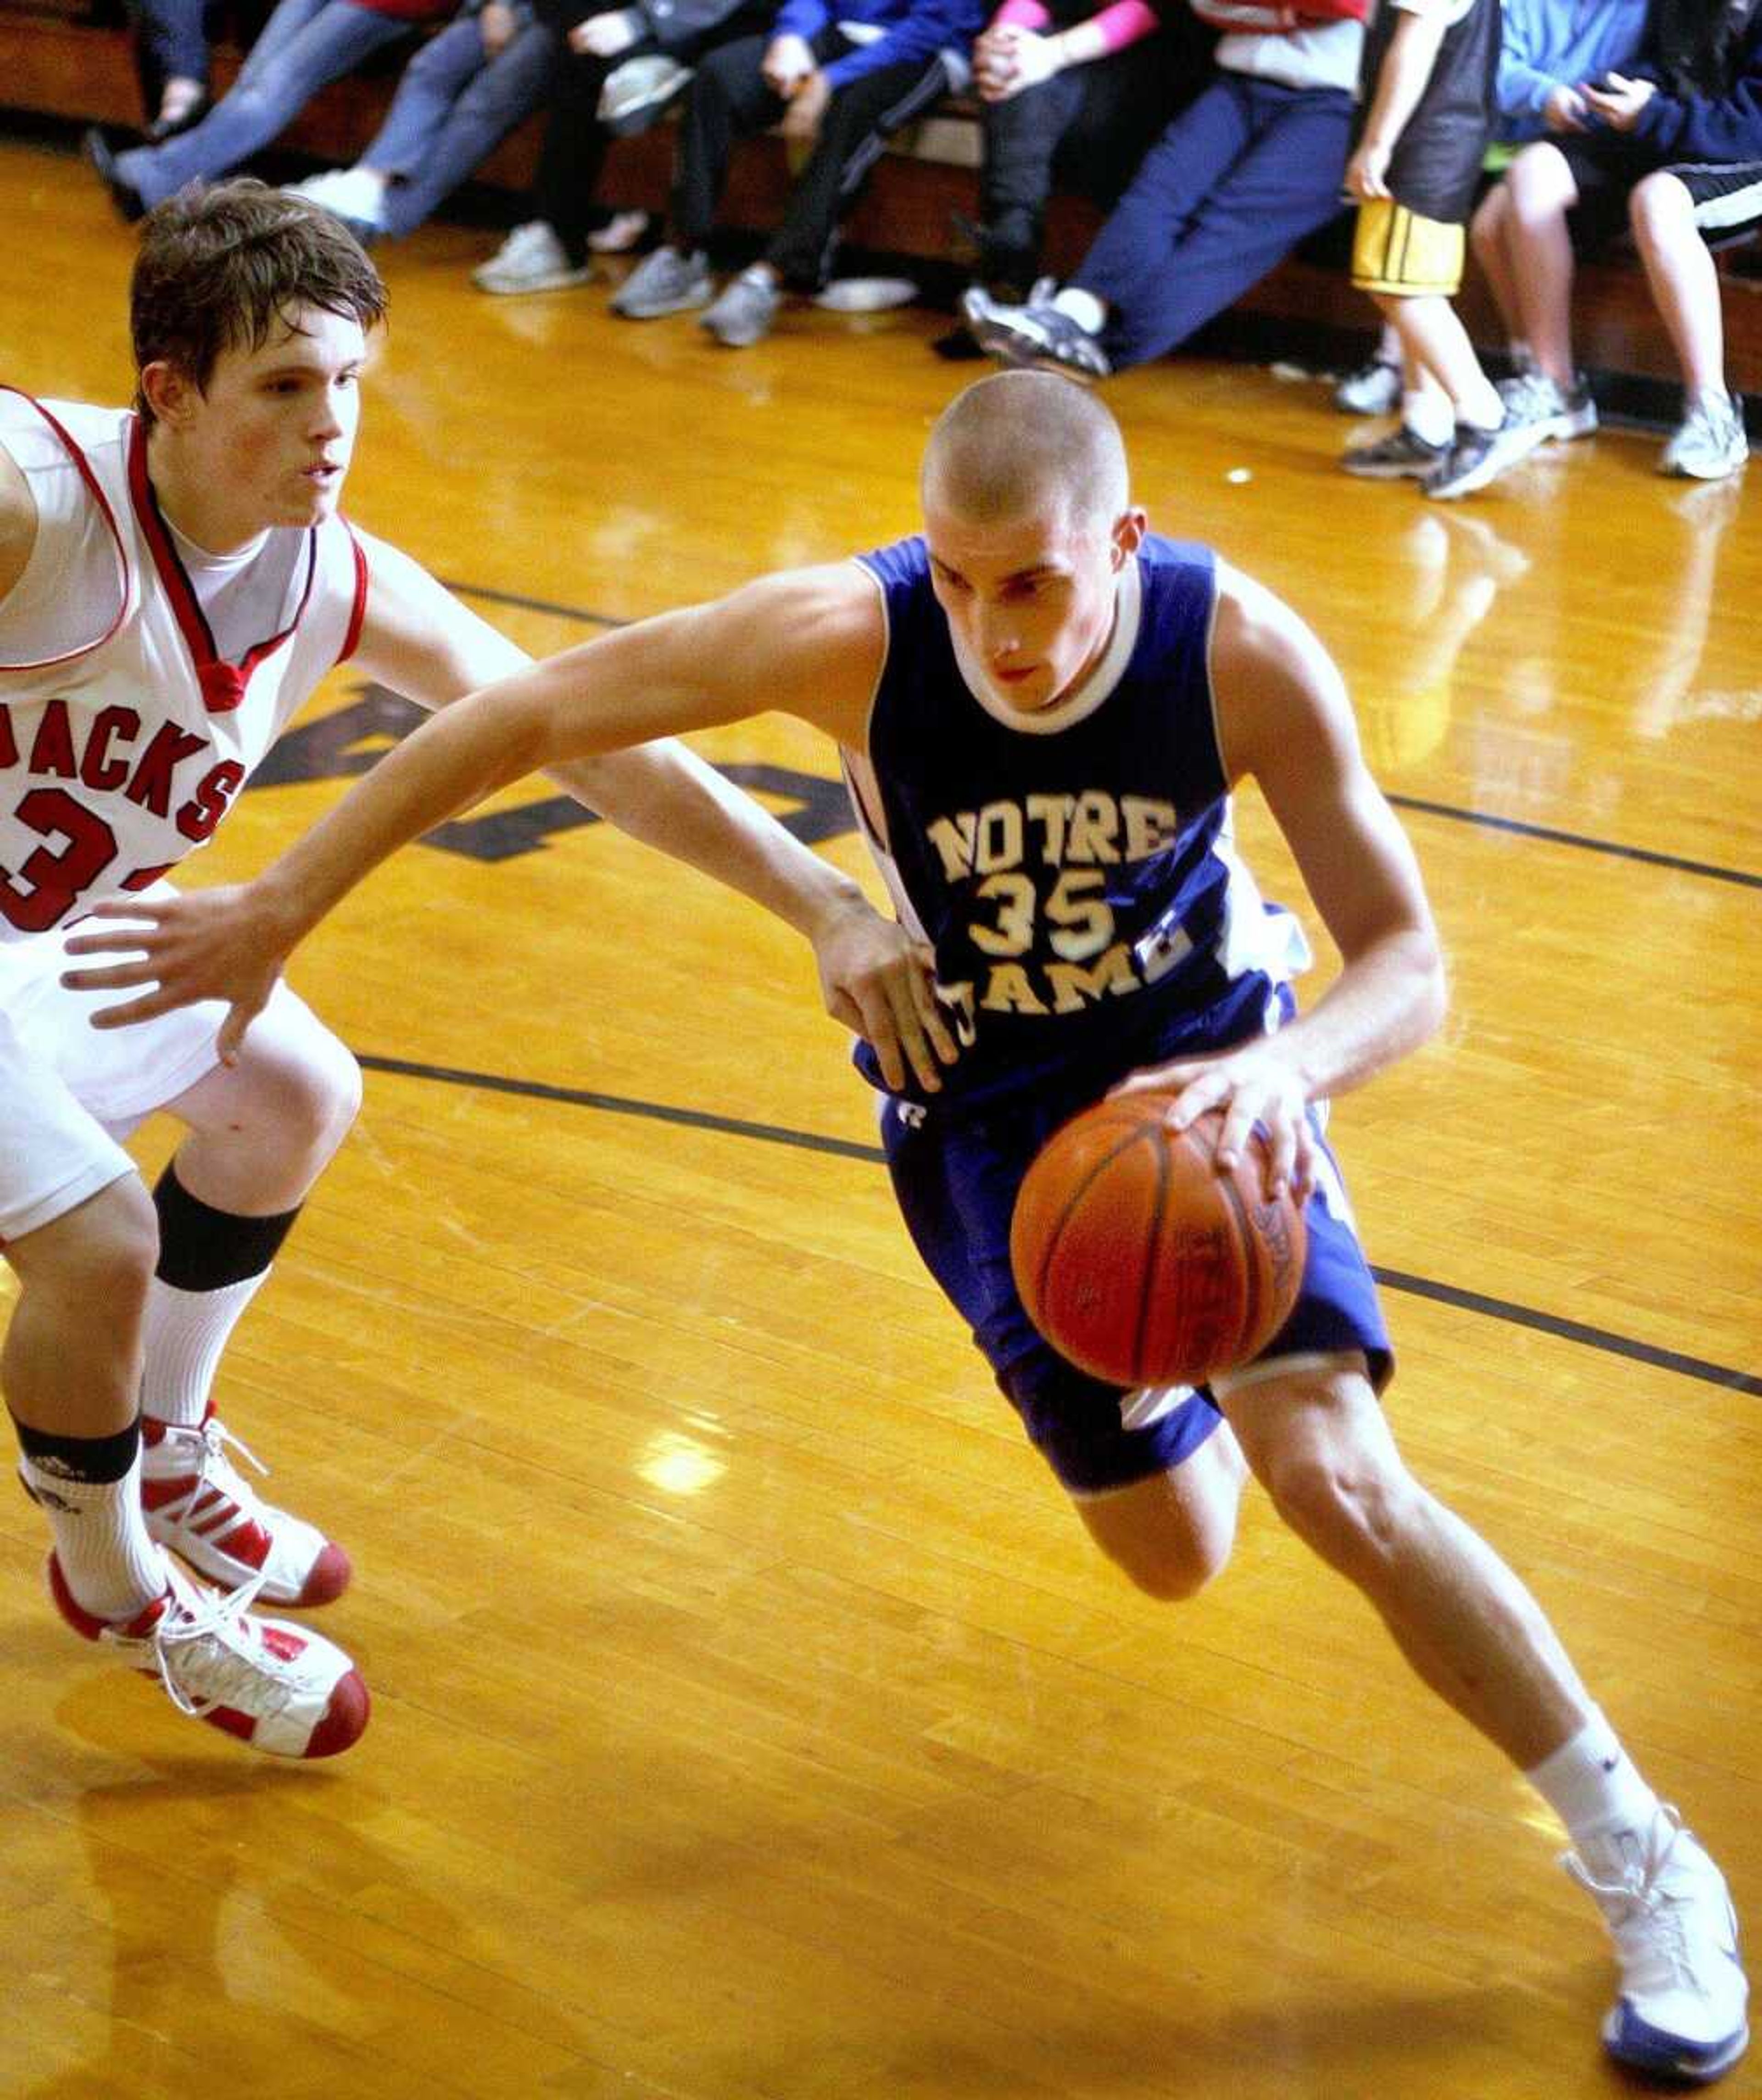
(1141, 1263)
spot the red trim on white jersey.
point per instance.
(90, 479)
(352, 640)
(223, 683)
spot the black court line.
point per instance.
(1707, 868)
(1516, 826)
(841, 1147)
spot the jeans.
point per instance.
(453, 106)
(306, 45)
(1231, 187)
(173, 36)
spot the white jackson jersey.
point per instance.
(125, 734)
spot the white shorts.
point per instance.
(70, 1091)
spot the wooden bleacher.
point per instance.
(69, 60)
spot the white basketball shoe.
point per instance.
(1680, 2014)
(283, 1691)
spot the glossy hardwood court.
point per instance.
(752, 1721)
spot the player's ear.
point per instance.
(169, 391)
(1128, 535)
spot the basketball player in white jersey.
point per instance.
(174, 583)
(1041, 707)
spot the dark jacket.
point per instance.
(1707, 58)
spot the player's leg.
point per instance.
(1318, 1442)
(260, 1132)
(79, 1233)
(1172, 1534)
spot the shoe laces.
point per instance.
(215, 1469)
(208, 1652)
(1648, 1916)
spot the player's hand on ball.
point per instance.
(876, 980)
(1252, 1085)
(222, 943)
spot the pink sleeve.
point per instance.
(1026, 14)
(1124, 22)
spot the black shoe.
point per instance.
(1477, 457)
(123, 194)
(958, 346)
(1403, 452)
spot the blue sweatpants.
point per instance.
(1233, 184)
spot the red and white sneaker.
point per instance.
(199, 1507)
(283, 1691)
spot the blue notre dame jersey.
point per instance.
(1073, 869)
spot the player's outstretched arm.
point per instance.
(1285, 719)
(808, 643)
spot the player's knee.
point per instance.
(104, 1253)
(1343, 1504)
(1174, 1570)
(307, 1087)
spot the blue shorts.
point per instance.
(956, 1178)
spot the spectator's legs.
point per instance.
(729, 98)
(172, 47)
(305, 46)
(492, 101)
(1679, 269)
(1230, 187)
(1433, 340)
(859, 120)
(1539, 249)
(1490, 237)
(575, 146)
(1022, 135)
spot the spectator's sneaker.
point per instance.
(1374, 390)
(1680, 2014)
(276, 1686)
(1709, 443)
(636, 93)
(744, 314)
(1402, 455)
(1534, 399)
(531, 259)
(664, 283)
(1477, 456)
(348, 194)
(1036, 334)
(123, 194)
(198, 1506)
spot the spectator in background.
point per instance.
(1548, 49)
(1429, 67)
(1239, 177)
(1073, 97)
(306, 45)
(840, 89)
(1673, 147)
(597, 58)
(171, 55)
(464, 91)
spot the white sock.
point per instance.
(1090, 313)
(1428, 414)
(182, 1336)
(1593, 1786)
(1714, 399)
(112, 1568)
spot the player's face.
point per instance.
(1031, 600)
(268, 441)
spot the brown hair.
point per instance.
(220, 267)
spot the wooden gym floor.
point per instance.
(752, 1718)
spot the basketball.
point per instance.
(1139, 1260)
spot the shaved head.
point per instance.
(1027, 443)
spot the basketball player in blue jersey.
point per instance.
(174, 581)
(1041, 708)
